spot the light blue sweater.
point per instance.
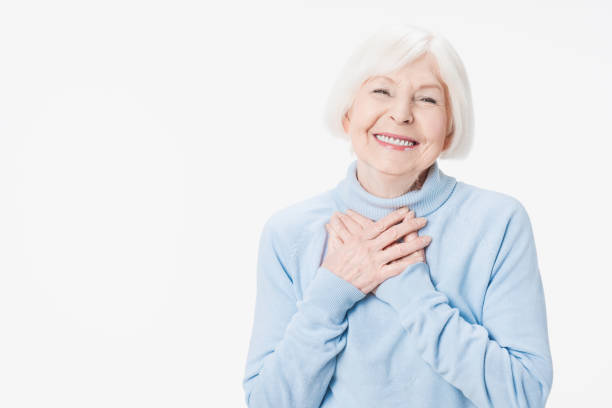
(465, 328)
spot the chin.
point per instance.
(392, 166)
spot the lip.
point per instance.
(393, 135)
(395, 147)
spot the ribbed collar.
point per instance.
(434, 192)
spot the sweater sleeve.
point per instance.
(506, 361)
(294, 343)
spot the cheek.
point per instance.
(365, 113)
(435, 124)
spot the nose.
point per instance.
(402, 111)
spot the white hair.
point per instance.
(390, 48)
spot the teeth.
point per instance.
(394, 141)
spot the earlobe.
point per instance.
(345, 122)
(448, 140)
(449, 136)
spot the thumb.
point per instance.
(332, 240)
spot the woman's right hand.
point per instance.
(365, 258)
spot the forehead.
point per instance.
(418, 83)
(420, 73)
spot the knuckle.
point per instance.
(408, 248)
(380, 271)
(369, 248)
(401, 251)
(373, 259)
(415, 223)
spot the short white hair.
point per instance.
(390, 48)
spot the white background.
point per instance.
(144, 144)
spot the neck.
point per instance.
(424, 193)
(386, 185)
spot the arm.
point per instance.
(506, 361)
(294, 344)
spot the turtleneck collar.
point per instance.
(434, 192)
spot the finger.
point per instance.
(339, 227)
(337, 239)
(363, 221)
(404, 249)
(416, 256)
(398, 266)
(407, 226)
(333, 240)
(408, 230)
(351, 225)
(391, 245)
(403, 238)
(333, 236)
(413, 234)
(381, 225)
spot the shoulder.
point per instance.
(499, 219)
(474, 201)
(290, 223)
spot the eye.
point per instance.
(383, 91)
(431, 100)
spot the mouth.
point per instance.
(395, 142)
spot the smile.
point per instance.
(395, 144)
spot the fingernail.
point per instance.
(403, 210)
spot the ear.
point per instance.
(345, 122)
(449, 138)
(447, 142)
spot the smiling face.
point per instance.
(411, 103)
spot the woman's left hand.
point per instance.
(342, 226)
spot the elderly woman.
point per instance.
(401, 286)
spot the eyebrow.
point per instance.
(426, 85)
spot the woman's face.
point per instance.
(410, 102)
